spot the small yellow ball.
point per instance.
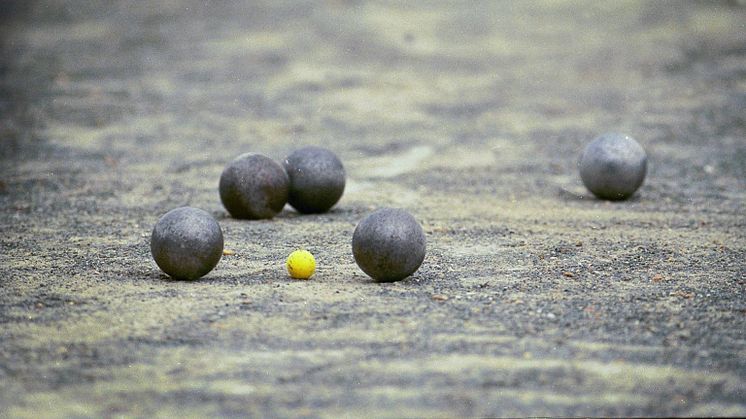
(301, 264)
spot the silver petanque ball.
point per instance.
(186, 243)
(613, 166)
(388, 245)
(317, 179)
(253, 186)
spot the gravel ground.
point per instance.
(534, 298)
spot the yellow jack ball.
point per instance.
(301, 264)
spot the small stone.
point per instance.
(186, 243)
(317, 179)
(253, 186)
(388, 245)
(613, 166)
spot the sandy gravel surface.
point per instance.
(534, 298)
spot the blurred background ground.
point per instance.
(534, 299)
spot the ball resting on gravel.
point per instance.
(317, 179)
(388, 245)
(613, 166)
(186, 243)
(253, 186)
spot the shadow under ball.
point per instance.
(388, 245)
(317, 179)
(253, 186)
(613, 166)
(186, 243)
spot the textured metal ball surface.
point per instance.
(317, 179)
(388, 245)
(613, 166)
(253, 186)
(186, 243)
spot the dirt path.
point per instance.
(534, 299)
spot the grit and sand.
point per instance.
(534, 298)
